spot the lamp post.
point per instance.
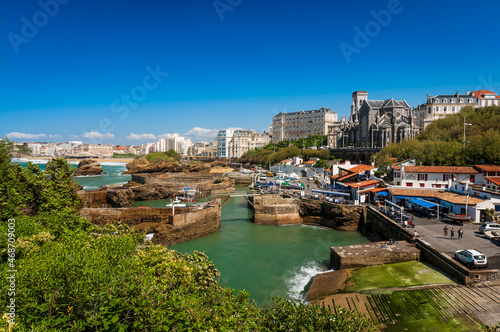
(466, 124)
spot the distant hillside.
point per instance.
(441, 143)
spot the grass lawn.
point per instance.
(402, 274)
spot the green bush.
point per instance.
(167, 156)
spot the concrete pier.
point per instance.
(375, 253)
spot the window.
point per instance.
(446, 177)
(453, 109)
(422, 185)
(436, 185)
(452, 101)
(445, 109)
(409, 184)
(461, 100)
(422, 177)
(472, 178)
(437, 109)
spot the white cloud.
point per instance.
(235, 128)
(15, 134)
(55, 136)
(136, 137)
(167, 135)
(202, 133)
(96, 135)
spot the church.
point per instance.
(376, 123)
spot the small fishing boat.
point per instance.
(492, 235)
(458, 217)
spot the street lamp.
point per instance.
(466, 124)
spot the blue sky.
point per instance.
(100, 71)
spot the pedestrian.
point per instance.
(452, 233)
(445, 232)
(415, 234)
(460, 233)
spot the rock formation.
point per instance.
(142, 165)
(88, 167)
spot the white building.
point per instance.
(224, 136)
(205, 149)
(173, 142)
(433, 177)
(295, 125)
(93, 150)
(244, 140)
(486, 98)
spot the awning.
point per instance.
(405, 197)
(303, 186)
(394, 205)
(382, 193)
(334, 193)
(421, 202)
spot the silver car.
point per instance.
(489, 226)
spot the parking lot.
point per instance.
(432, 231)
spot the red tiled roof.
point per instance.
(373, 190)
(481, 93)
(438, 169)
(310, 162)
(336, 176)
(360, 168)
(494, 180)
(362, 183)
(489, 168)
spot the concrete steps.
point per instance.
(482, 302)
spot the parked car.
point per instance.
(310, 178)
(489, 226)
(263, 177)
(471, 257)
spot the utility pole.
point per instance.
(466, 124)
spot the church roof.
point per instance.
(388, 103)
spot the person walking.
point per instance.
(460, 233)
(452, 233)
(445, 232)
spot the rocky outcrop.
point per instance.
(123, 197)
(275, 210)
(142, 165)
(88, 167)
(340, 217)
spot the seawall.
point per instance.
(186, 224)
(275, 210)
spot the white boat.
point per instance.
(492, 235)
(176, 203)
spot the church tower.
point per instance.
(357, 100)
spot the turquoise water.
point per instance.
(267, 260)
(114, 176)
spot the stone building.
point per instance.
(244, 140)
(376, 123)
(296, 125)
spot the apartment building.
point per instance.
(296, 125)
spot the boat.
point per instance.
(458, 217)
(188, 195)
(176, 203)
(492, 235)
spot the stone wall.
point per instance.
(376, 253)
(93, 198)
(275, 210)
(187, 224)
